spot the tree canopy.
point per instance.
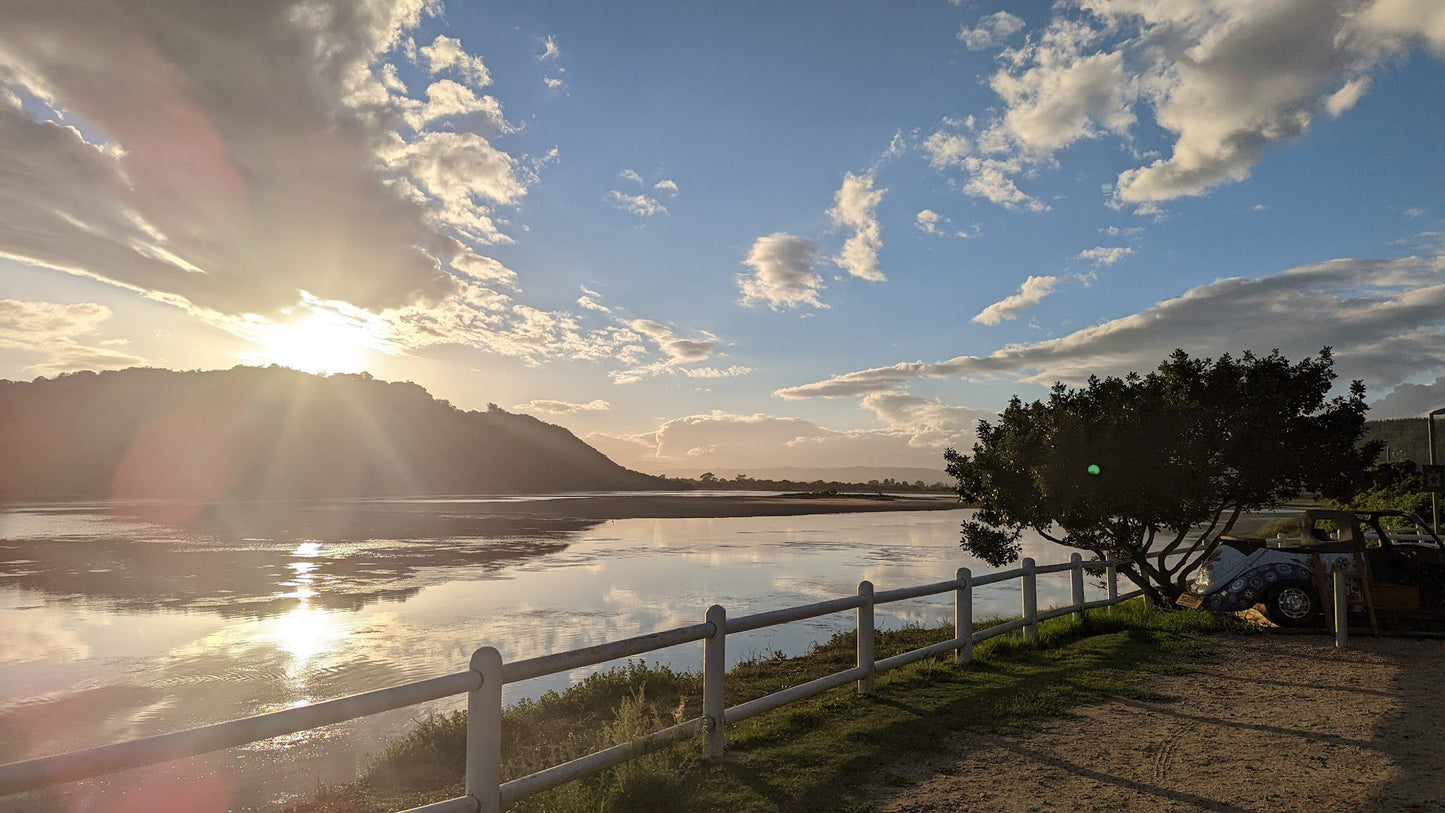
(1155, 468)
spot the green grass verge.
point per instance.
(818, 754)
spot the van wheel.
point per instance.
(1292, 604)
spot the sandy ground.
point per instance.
(1272, 723)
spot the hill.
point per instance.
(274, 433)
(1404, 438)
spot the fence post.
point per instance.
(484, 732)
(1342, 608)
(1113, 575)
(865, 637)
(963, 616)
(1031, 602)
(714, 667)
(1076, 581)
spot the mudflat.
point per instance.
(682, 505)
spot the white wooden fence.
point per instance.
(482, 684)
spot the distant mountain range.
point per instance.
(274, 433)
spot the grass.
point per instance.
(818, 754)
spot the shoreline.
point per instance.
(652, 506)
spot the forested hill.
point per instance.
(1404, 438)
(275, 433)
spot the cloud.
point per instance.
(550, 51)
(677, 349)
(783, 272)
(1225, 80)
(446, 54)
(562, 407)
(592, 301)
(927, 221)
(855, 207)
(553, 82)
(1105, 255)
(56, 332)
(262, 168)
(991, 30)
(1347, 96)
(1410, 400)
(640, 205)
(678, 352)
(228, 186)
(724, 440)
(1031, 293)
(630, 175)
(1385, 320)
(1413, 213)
(666, 185)
(446, 99)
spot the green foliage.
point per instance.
(1195, 441)
(1396, 486)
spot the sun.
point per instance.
(323, 342)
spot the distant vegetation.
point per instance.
(1404, 439)
(742, 482)
(275, 433)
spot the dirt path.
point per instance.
(1272, 723)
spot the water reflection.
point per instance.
(116, 627)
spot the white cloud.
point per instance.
(549, 49)
(639, 204)
(676, 348)
(1031, 293)
(1385, 320)
(551, 407)
(1347, 96)
(630, 175)
(446, 54)
(1413, 213)
(592, 301)
(783, 272)
(1105, 255)
(667, 185)
(946, 147)
(927, 221)
(916, 433)
(1226, 79)
(446, 99)
(57, 332)
(855, 207)
(991, 30)
(553, 82)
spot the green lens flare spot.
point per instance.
(1094, 469)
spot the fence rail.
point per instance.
(482, 684)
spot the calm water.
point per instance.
(118, 623)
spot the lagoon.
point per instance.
(126, 621)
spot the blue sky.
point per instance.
(729, 236)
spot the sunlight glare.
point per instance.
(324, 342)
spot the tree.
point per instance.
(1154, 469)
(1397, 486)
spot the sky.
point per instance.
(734, 235)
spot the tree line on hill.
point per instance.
(275, 433)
